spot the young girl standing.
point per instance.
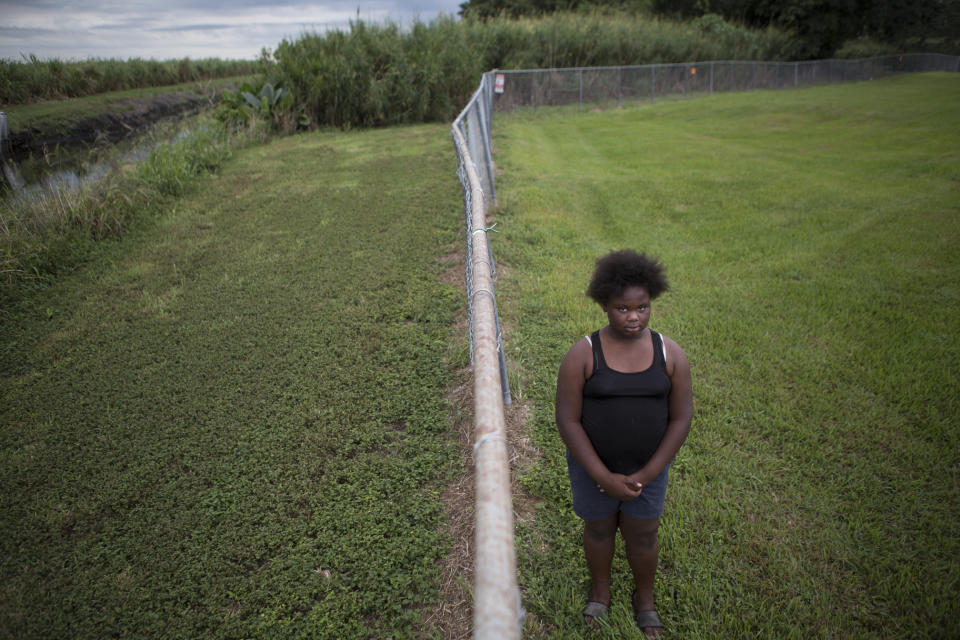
(624, 406)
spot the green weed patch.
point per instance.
(33, 80)
(52, 231)
(61, 117)
(382, 74)
(810, 237)
(232, 423)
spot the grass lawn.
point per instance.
(232, 424)
(811, 240)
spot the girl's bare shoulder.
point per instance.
(674, 354)
(579, 357)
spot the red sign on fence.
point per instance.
(498, 84)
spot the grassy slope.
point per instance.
(811, 240)
(61, 115)
(236, 427)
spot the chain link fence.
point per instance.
(496, 597)
(8, 169)
(497, 612)
(605, 86)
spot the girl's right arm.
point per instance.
(574, 371)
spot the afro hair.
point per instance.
(619, 270)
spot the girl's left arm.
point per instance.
(681, 414)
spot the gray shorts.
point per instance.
(591, 504)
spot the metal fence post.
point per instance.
(711, 78)
(9, 172)
(483, 107)
(618, 86)
(653, 84)
(536, 88)
(580, 90)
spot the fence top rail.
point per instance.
(473, 99)
(626, 66)
(703, 62)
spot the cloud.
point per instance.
(194, 27)
(165, 29)
(24, 33)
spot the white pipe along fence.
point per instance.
(496, 607)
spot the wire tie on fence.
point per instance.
(479, 261)
(490, 437)
(477, 292)
(490, 228)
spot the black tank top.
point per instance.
(625, 414)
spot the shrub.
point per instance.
(379, 74)
(258, 104)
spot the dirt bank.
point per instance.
(120, 120)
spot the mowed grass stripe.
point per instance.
(811, 238)
(236, 426)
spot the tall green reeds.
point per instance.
(33, 79)
(605, 39)
(382, 74)
(379, 74)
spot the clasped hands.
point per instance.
(621, 487)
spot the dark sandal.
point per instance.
(647, 619)
(594, 613)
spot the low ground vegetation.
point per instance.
(810, 237)
(233, 423)
(48, 232)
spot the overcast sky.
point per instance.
(164, 29)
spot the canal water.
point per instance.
(66, 168)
